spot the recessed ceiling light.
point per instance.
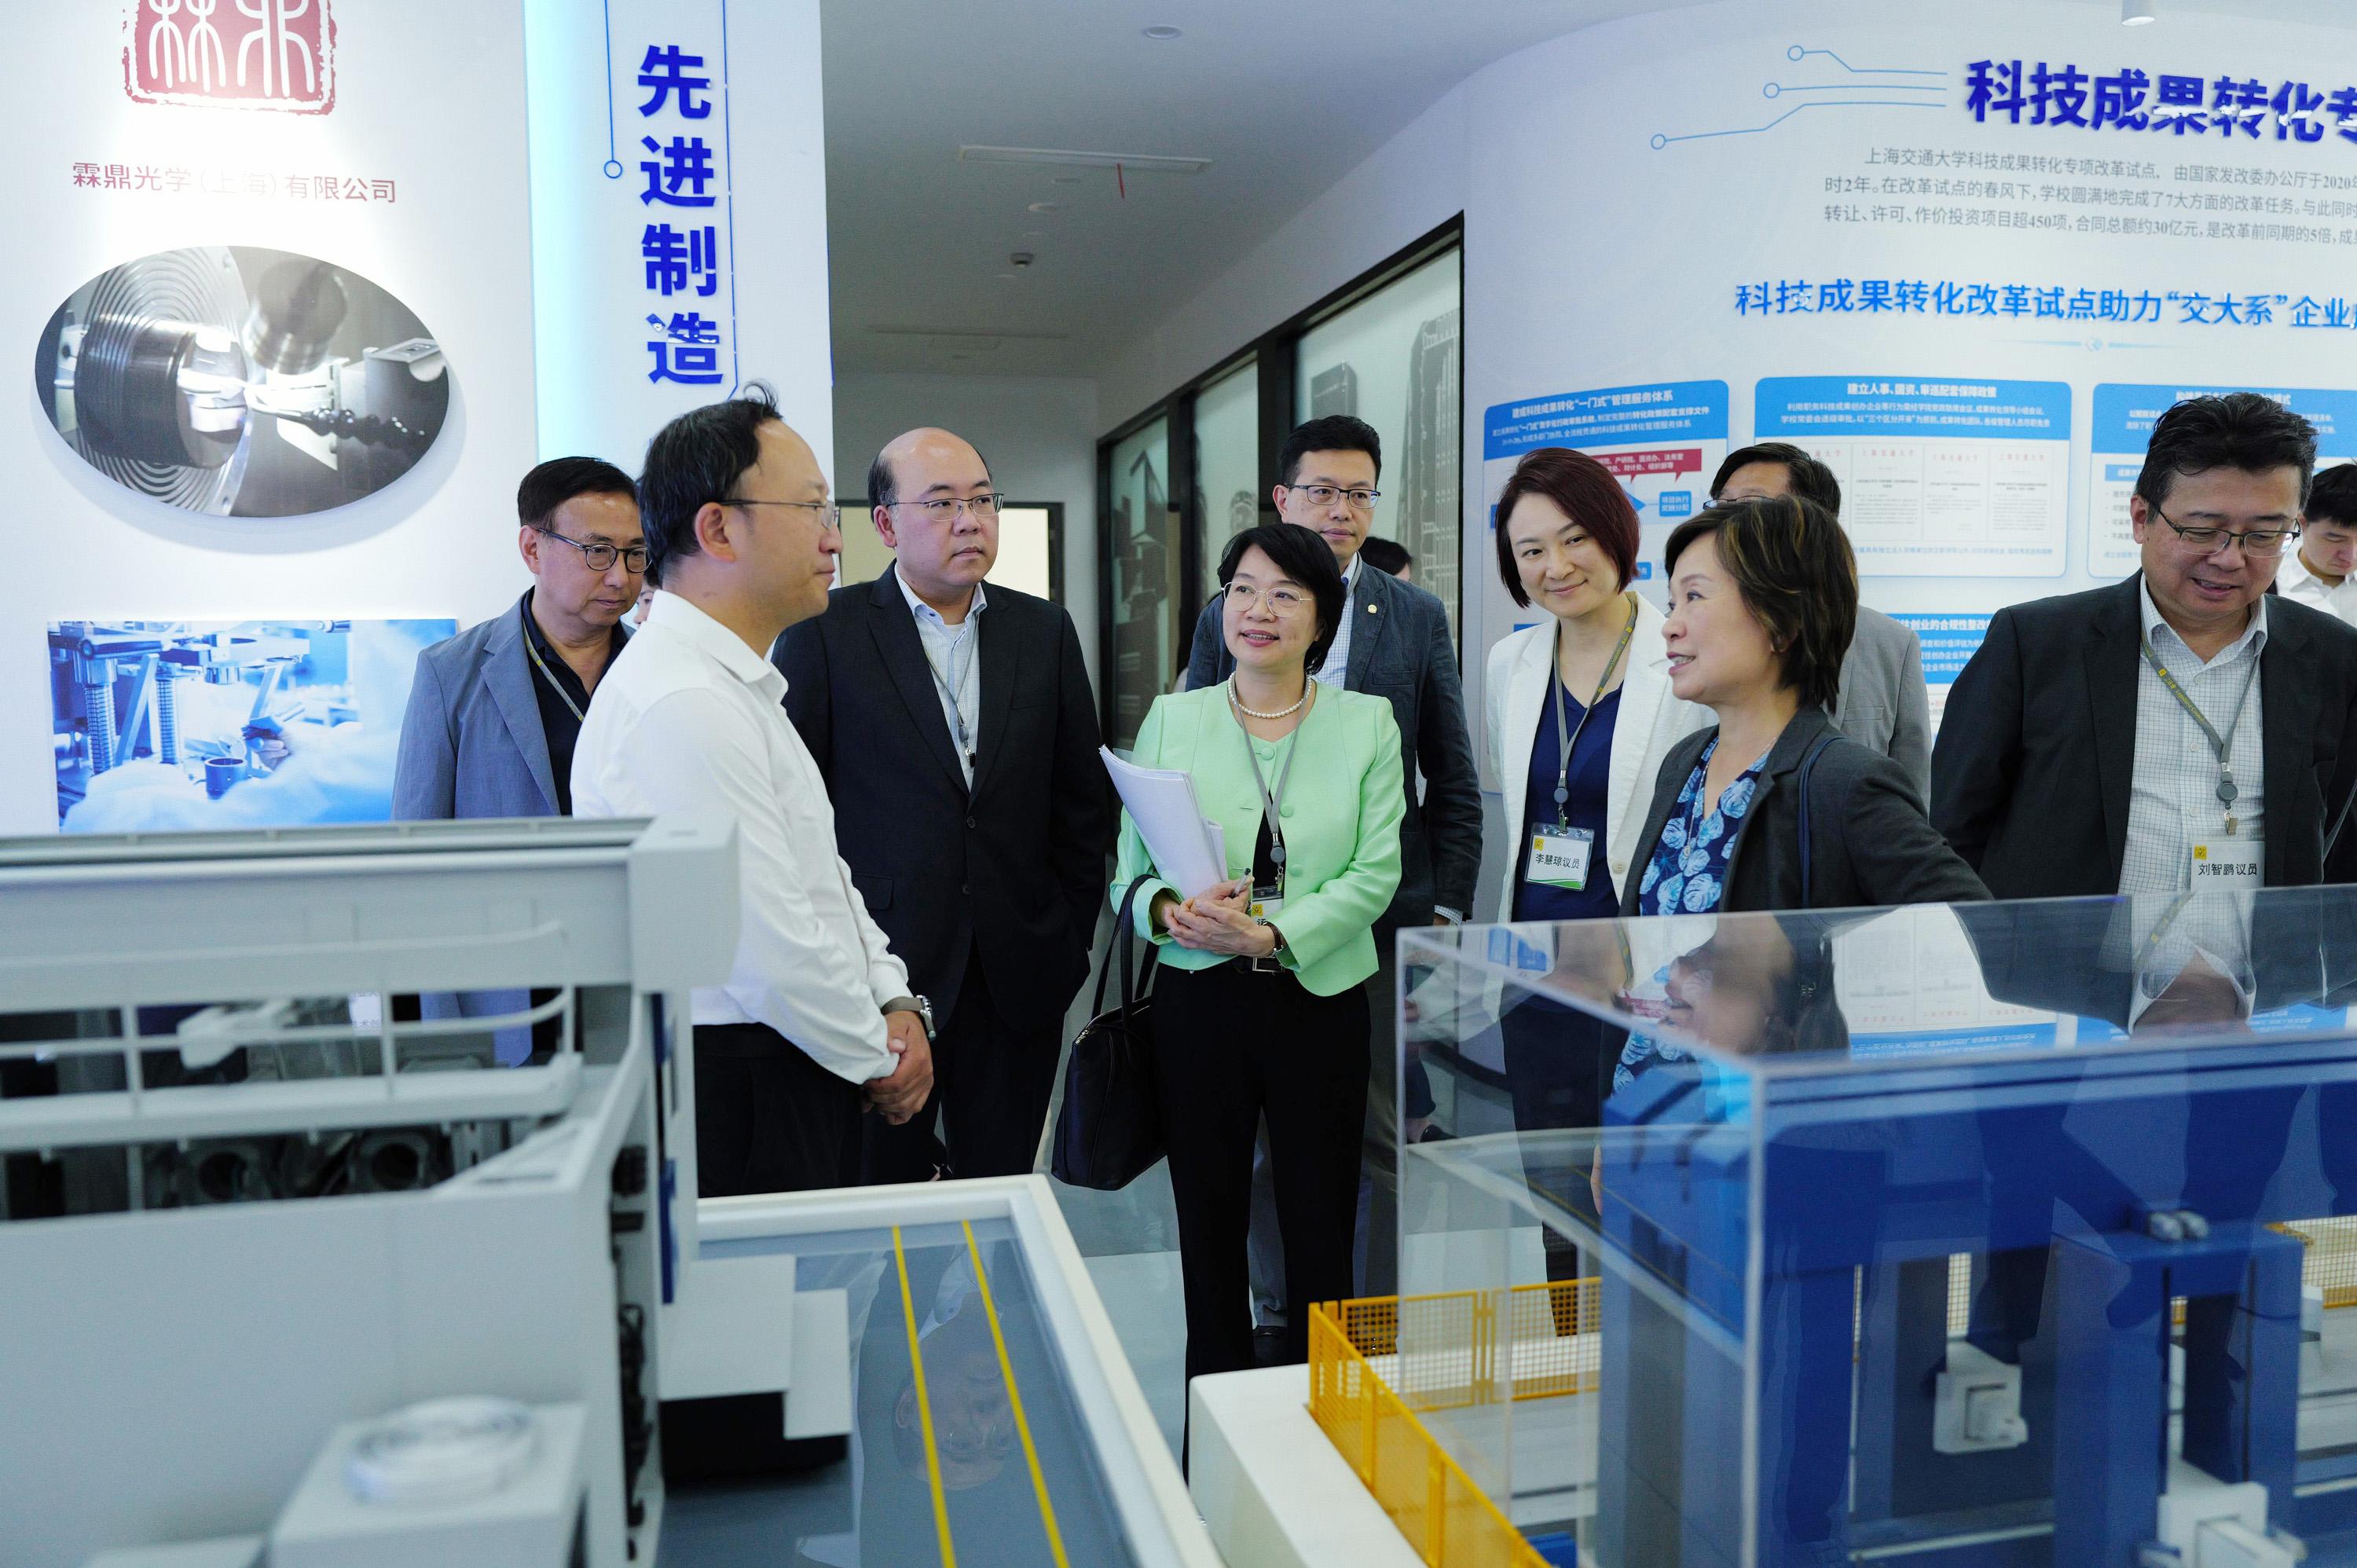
(1046, 207)
(1161, 33)
(1135, 163)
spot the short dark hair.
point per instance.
(1584, 490)
(884, 489)
(1301, 554)
(2237, 430)
(2332, 498)
(1793, 563)
(1812, 480)
(696, 459)
(1335, 433)
(1386, 555)
(551, 484)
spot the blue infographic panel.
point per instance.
(2120, 424)
(1939, 477)
(1662, 440)
(1950, 639)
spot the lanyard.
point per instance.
(952, 690)
(2223, 744)
(1271, 800)
(554, 684)
(1566, 745)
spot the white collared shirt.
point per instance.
(690, 720)
(2295, 581)
(2173, 798)
(1336, 668)
(953, 653)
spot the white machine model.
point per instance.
(286, 1266)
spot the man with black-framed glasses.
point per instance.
(495, 711)
(2182, 729)
(955, 725)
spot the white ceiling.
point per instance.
(1283, 96)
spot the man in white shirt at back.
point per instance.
(2318, 571)
(816, 1019)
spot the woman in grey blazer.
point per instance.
(1763, 597)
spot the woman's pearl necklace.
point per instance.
(1255, 713)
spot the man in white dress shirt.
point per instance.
(815, 1017)
(2319, 573)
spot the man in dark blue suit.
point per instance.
(955, 725)
(494, 712)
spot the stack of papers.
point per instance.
(1190, 851)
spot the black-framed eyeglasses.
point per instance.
(944, 509)
(830, 515)
(1326, 495)
(600, 556)
(2260, 542)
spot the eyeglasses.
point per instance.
(2253, 541)
(829, 514)
(984, 507)
(1281, 600)
(1324, 495)
(600, 556)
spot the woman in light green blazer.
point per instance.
(1259, 1011)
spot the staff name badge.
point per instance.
(2226, 863)
(1266, 902)
(1559, 858)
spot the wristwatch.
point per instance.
(1275, 962)
(920, 1005)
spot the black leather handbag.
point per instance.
(1109, 1132)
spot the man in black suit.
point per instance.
(2182, 725)
(955, 727)
(1394, 643)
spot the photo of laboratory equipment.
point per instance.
(241, 383)
(160, 724)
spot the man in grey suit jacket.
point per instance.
(494, 712)
(1883, 705)
(1394, 643)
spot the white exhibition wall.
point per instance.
(315, 140)
(1965, 259)
(281, 325)
(664, 276)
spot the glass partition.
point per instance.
(1142, 533)
(2007, 1233)
(1228, 487)
(1392, 358)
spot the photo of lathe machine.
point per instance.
(218, 724)
(242, 381)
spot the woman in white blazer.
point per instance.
(1580, 715)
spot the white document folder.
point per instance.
(1190, 852)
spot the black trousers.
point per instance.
(767, 1117)
(1231, 1047)
(991, 1086)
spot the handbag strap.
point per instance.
(1118, 951)
(1808, 767)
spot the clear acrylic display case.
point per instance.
(2006, 1233)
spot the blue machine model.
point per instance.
(1966, 1237)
